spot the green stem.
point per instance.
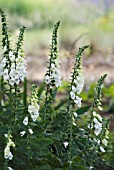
(1, 91)
(25, 94)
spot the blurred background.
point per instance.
(82, 22)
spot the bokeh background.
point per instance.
(82, 22)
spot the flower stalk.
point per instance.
(76, 87)
(53, 75)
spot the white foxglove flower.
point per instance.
(11, 143)
(65, 144)
(90, 126)
(107, 132)
(34, 111)
(7, 153)
(5, 74)
(72, 95)
(97, 141)
(22, 133)
(73, 88)
(47, 79)
(6, 135)
(10, 54)
(100, 108)
(5, 48)
(4, 61)
(102, 149)
(25, 121)
(54, 77)
(10, 156)
(75, 114)
(80, 83)
(95, 121)
(94, 113)
(99, 117)
(78, 101)
(33, 108)
(53, 65)
(15, 70)
(9, 168)
(97, 131)
(106, 136)
(105, 142)
(30, 131)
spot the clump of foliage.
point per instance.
(35, 134)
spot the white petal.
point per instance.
(25, 121)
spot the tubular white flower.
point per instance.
(99, 117)
(54, 74)
(33, 108)
(7, 152)
(25, 121)
(75, 114)
(10, 156)
(102, 149)
(105, 142)
(97, 131)
(94, 113)
(78, 101)
(30, 131)
(9, 168)
(74, 89)
(22, 133)
(5, 74)
(47, 79)
(65, 144)
(80, 83)
(14, 69)
(72, 95)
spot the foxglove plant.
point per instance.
(13, 71)
(97, 125)
(76, 87)
(7, 153)
(53, 75)
(33, 108)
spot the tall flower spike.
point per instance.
(5, 39)
(53, 75)
(14, 64)
(77, 78)
(96, 123)
(76, 87)
(7, 153)
(97, 99)
(105, 135)
(5, 65)
(33, 107)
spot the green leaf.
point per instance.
(40, 90)
(60, 104)
(82, 110)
